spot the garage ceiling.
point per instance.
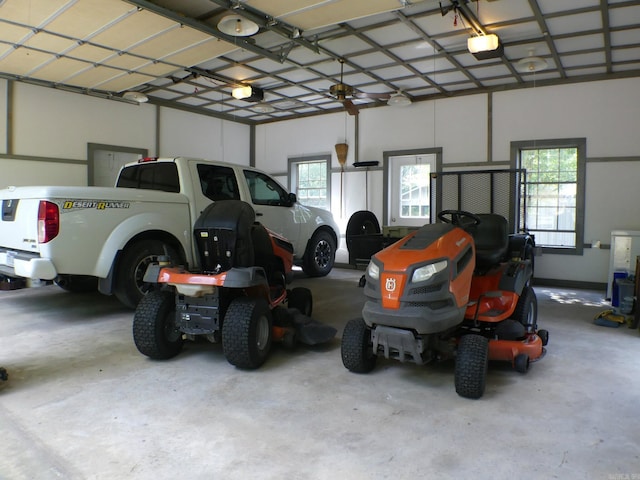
(174, 53)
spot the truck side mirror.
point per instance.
(292, 199)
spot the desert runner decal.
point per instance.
(68, 205)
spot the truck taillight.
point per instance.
(48, 221)
(147, 159)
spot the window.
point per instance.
(554, 202)
(309, 180)
(414, 191)
(218, 183)
(265, 190)
(151, 176)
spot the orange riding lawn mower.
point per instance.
(459, 288)
(237, 297)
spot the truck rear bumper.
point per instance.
(27, 265)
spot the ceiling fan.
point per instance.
(343, 93)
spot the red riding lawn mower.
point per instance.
(236, 297)
(460, 288)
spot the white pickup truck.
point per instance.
(75, 235)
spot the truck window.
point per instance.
(265, 190)
(161, 176)
(218, 183)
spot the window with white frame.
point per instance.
(554, 203)
(309, 178)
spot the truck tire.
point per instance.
(472, 362)
(129, 287)
(356, 347)
(320, 255)
(301, 299)
(154, 326)
(246, 332)
(77, 283)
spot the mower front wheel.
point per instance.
(521, 363)
(357, 349)
(247, 332)
(472, 362)
(526, 311)
(154, 326)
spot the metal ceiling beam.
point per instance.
(606, 26)
(547, 38)
(437, 48)
(479, 29)
(241, 42)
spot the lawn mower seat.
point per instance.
(491, 237)
(262, 248)
(223, 236)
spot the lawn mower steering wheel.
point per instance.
(459, 218)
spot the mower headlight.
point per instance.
(373, 271)
(425, 273)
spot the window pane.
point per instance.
(414, 191)
(552, 175)
(311, 186)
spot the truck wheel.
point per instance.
(526, 311)
(472, 361)
(320, 255)
(77, 283)
(246, 332)
(130, 287)
(356, 347)
(301, 299)
(155, 332)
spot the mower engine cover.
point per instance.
(421, 282)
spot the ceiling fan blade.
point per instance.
(350, 107)
(378, 96)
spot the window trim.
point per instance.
(581, 145)
(292, 172)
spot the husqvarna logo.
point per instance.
(390, 284)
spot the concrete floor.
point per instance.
(82, 403)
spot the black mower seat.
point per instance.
(223, 235)
(491, 237)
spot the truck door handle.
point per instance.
(258, 214)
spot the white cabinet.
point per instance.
(625, 247)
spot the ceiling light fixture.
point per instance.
(138, 97)
(248, 93)
(237, 26)
(484, 47)
(263, 107)
(398, 99)
(532, 63)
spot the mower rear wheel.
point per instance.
(521, 363)
(357, 349)
(301, 299)
(472, 362)
(154, 326)
(526, 311)
(247, 332)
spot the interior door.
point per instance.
(105, 163)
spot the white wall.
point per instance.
(189, 135)
(606, 113)
(50, 130)
(52, 124)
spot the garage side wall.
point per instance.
(44, 133)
